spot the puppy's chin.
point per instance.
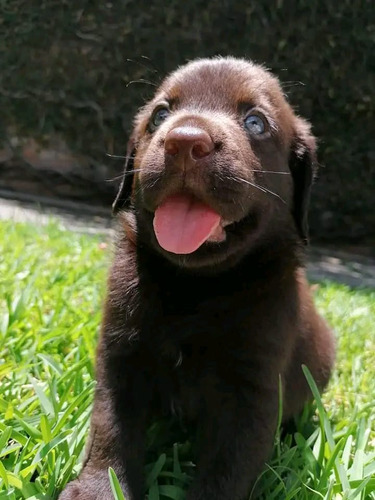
(237, 240)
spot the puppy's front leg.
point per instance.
(237, 440)
(116, 440)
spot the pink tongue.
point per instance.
(182, 224)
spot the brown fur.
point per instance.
(207, 335)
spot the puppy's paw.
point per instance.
(86, 490)
(72, 491)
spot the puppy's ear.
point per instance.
(303, 167)
(123, 197)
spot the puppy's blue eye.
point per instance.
(255, 124)
(159, 116)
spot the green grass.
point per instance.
(52, 283)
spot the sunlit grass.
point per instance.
(52, 283)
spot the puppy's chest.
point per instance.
(194, 334)
(192, 337)
(192, 354)
(185, 372)
(197, 344)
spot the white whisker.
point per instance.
(271, 172)
(261, 188)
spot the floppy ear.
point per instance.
(302, 164)
(123, 197)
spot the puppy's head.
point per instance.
(217, 162)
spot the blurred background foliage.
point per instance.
(72, 75)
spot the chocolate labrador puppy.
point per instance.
(208, 304)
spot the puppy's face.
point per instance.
(218, 161)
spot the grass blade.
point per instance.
(115, 485)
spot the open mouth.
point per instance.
(182, 224)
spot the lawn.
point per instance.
(52, 284)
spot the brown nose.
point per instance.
(191, 143)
